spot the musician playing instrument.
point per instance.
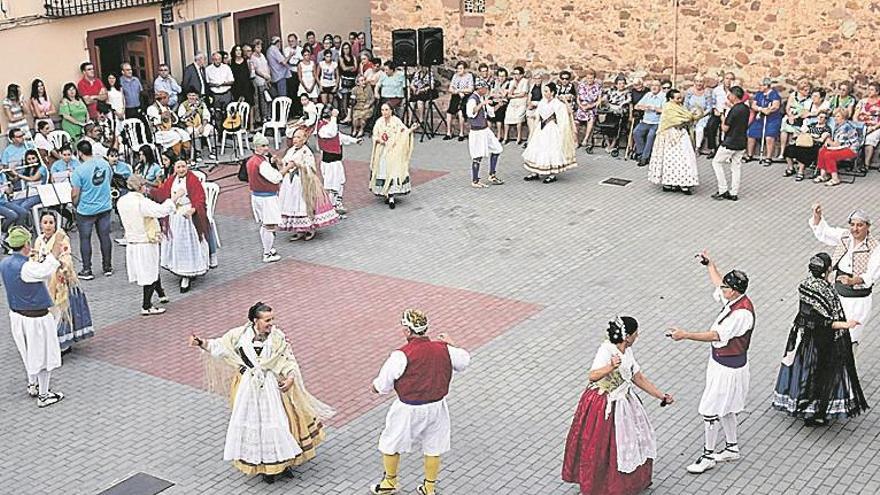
(194, 115)
(164, 122)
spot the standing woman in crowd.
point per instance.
(348, 72)
(498, 92)
(242, 87)
(767, 105)
(841, 99)
(610, 449)
(389, 161)
(673, 160)
(308, 84)
(329, 70)
(73, 111)
(71, 307)
(14, 110)
(42, 108)
(460, 88)
(817, 379)
(535, 95)
(588, 92)
(518, 101)
(115, 98)
(551, 147)
(362, 101)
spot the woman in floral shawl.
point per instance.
(71, 308)
(673, 161)
(818, 380)
(389, 162)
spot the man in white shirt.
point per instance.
(168, 84)
(92, 134)
(722, 105)
(293, 54)
(264, 181)
(219, 79)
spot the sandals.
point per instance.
(820, 179)
(788, 172)
(479, 185)
(798, 177)
(832, 183)
(495, 181)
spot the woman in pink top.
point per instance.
(41, 106)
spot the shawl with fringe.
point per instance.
(396, 151)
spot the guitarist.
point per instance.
(165, 132)
(194, 115)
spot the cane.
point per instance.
(629, 139)
(763, 134)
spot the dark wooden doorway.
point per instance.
(263, 23)
(133, 43)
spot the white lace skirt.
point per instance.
(183, 254)
(259, 431)
(634, 435)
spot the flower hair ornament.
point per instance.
(415, 320)
(616, 329)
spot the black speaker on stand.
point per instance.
(404, 47)
(430, 46)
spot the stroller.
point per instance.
(612, 126)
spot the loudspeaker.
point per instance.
(403, 47)
(430, 46)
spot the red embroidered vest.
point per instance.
(428, 372)
(257, 182)
(735, 353)
(331, 145)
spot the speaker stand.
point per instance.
(408, 116)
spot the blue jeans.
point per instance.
(643, 136)
(13, 214)
(212, 242)
(85, 224)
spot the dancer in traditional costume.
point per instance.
(139, 216)
(610, 448)
(856, 261)
(673, 160)
(331, 141)
(818, 380)
(727, 375)
(420, 373)
(33, 326)
(71, 309)
(551, 147)
(305, 206)
(482, 143)
(276, 423)
(264, 181)
(389, 162)
(185, 251)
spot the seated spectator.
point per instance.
(366, 62)
(18, 211)
(41, 107)
(13, 109)
(422, 89)
(767, 105)
(868, 113)
(308, 121)
(32, 174)
(805, 151)
(460, 88)
(13, 154)
(118, 166)
(797, 108)
(616, 101)
(841, 99)
(645, 132)
(362, 101)
(589, 90)
(92, 134)
(63, 168)
(74, 112)
(817, 98)
(148, 167)
(376, 72)
(45, 148)
(843, 145)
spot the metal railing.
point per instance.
(71, 8)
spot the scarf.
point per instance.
(396, 152)
(676, 115)
(196, 194)
(820, 295)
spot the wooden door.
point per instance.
(138, 54)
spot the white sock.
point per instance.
(43, 379)
(32, 379)
(710, 424)
(728, 424)
(268, 238)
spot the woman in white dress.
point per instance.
(308, 84)
(389, 162)
(551, 147)
(305, 205)
(673, 160)
(185, 250)
(518, 100)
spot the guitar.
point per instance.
(233, 118)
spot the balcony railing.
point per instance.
(71, 8)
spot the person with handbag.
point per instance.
(805, 148)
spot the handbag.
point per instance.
(242, 170)
(804, 140)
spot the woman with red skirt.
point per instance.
(610, 447)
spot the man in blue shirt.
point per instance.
(165, 82)
(131, 92)
(644, 133)
(91, 195)
(13, 154)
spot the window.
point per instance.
(473, 6)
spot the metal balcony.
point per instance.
(71, 8)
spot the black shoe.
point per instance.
(766, 162)
(788, 172)
(720, 196)
(642, 163)
(448, 138)
(391, 203)
(711, 154)
(549, 179)
(269, 478)
(733, 197)
(668, 188)
(531, 177)
(86, 275)
(748, 159)
(687, 190)
(462, 138)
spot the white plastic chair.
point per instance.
(320, 108)
(59, 138)
(240, 136)
(203, 177)
(280, 113)
(212, 193)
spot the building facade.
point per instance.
(825, 41)
(48, 39)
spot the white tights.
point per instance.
(728, 424)
(268, 239)
(43, 379)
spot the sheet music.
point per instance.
(55, 194)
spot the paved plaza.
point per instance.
(525, 275)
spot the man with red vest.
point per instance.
(727, 375)
(420, 373)
(264, 181)
(330, 141)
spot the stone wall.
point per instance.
(825, 41)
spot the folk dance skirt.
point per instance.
(142, 263)
(183, 253)
(591, 455)
(818, 378)
(407, 427)
(726, 389)
(398, 186)
(482, 143)
(673, 161)
(544, 154)
(333, 175)
(76, 325)
(294, 210)
(37, 342)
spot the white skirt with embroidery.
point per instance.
(634, 435)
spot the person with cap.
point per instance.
(420, 373)
(275, 423)
(482, 143)
(767, 105)
(727, 374)
(817, 379)
(264, 181)
(856, 264)
(610, 446)
(305, 206)
(166, 133)
(32, 325)
(139, 217)
(330, 142)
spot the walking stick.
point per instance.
(629, 138)
(763, 135)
